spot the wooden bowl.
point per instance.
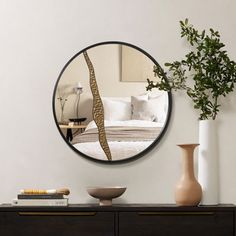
(106, 194)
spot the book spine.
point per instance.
(40, 202)
(40, 196)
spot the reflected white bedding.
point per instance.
(129, 123)
(119, 149)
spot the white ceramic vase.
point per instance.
(208, 168)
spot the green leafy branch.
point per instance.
(207, 64)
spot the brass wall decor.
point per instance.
(98, 111)
(117, 120)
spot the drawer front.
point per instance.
(176, 223)
(57, 223)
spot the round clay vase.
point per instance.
(188, 191)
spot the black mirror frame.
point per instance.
(132, 158)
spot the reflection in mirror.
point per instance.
(101, 106)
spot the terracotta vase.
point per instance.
(188, 191)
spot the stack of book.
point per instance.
(45, 199)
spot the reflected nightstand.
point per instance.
(76, 124)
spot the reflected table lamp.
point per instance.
(79, 91)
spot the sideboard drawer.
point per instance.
(57, 223)
(176, 223)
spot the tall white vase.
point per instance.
(208, 167)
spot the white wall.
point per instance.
(38, 37)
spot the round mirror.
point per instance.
(101, 106)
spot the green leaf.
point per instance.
(203, 34)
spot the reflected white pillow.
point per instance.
(116, 109)
(161, 102)
(135, 101)
(152, 109)
(139, 112)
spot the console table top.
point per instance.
(120, 207)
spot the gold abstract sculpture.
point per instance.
(98, 111)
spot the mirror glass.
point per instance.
(101, 106)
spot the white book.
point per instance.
(40, 202)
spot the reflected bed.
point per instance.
(125, 138)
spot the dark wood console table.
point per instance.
(118, 220)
